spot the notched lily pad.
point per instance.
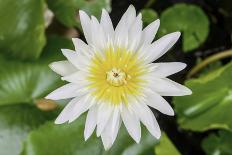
(149, 15)
(190, 20)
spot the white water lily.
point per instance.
(113, 78)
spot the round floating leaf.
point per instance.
(22, 28)
(68, 139)
(15, 123)
(218, 144)
(94, 7)
(166, 147)
(24, 82)
(66, 11)
(209, 107)
(190, 20)
(149, 16)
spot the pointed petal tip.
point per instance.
(86, 137)
(104, 11)
(137, 140)
(49, 97)
(81, 12)
(177, 34)
(59, 121)
(131, 6)
(184, 65)
(171, 113)
(158, 136)
(157, 22)
(188, 91)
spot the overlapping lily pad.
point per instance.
(209, 107)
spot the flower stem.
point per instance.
(213, 58)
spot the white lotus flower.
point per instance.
(113, 77)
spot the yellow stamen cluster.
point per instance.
(115, 74)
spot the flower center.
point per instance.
(116, 77)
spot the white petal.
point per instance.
(135, 33)
(67, 91)
(150, 31)
(156, 101)
(91, 122)
(167, 87)
(147, 118)
(131, 123)
(161, 86)
(121, 30)
(130, 15)
(63, 67)
(104, 114)
(110, 132)
(86, 26)
(78, 60)
(166, 69)
(107, 24)
(182, 90)
(106, 139)
(65, 114)
(82, 105)
(82, 47)
(116, 123)
(77, 77)
(161, 46)
(98, 35)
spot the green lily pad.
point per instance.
(68, 139)
(166, 147)
(66, 11)
(15, 123)
(190, 20)
(24, 82)
(209, 107)
(220, 143)
(149, 16)
(22, 28)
